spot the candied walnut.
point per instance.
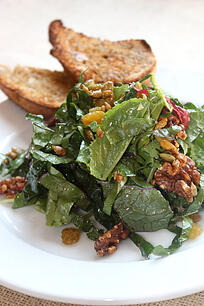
(59, 150)
(9, 187)
(70, 235)
(107, 243)
(180, 177)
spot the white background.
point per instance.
(174, 29)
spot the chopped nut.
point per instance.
(100, 132)
(161, 124)
(107, 243)
(4, 188)
(9, 187)
(84, 88)
(107, 106)
(70, 235)
(193, 190)
(96, 94)
(181, 134)
(89, 134)
(59, 150)
(107, 93)
(167, 145)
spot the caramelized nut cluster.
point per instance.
(9, 187)
(180, 177)
(107, 243)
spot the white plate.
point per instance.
(34, 261)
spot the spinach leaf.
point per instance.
(61, 197)
(84, 154)
(143, 209)
(182, 234)
(194, 143)
(84, 224)
(49, 157)
(145, 247)
(119, 125)
(80, 177)
(157, 99)
(120, 91)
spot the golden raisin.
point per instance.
(70, 235)
(93, 116)
(195, 231)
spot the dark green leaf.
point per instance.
(143, 209)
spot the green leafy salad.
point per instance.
(114, 160)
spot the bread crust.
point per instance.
(28, 105)
(38, 91)
(123, 61)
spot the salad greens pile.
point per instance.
(80, 186)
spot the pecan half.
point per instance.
(107, 243)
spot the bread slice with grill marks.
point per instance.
(120, 61)
(38, 91)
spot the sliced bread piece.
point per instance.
(120, 61)
(38, 91)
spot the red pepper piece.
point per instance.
(180, 112)
(142, 91)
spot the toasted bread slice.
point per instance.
(121, 61)
(38, 91)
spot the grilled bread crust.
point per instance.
(120, 61)
(38, 91)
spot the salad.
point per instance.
(114, 161)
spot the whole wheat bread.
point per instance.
(38, 91)
(121, 61)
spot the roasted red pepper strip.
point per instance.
(181, 113)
